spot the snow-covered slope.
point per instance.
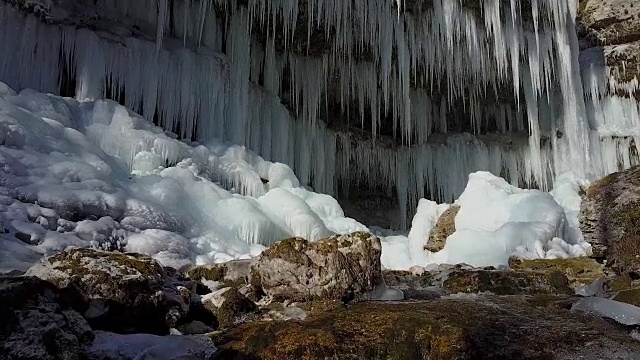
(95, 174)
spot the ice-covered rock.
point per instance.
(110, 346)
(122, 292)
(38, 322)
(626, 314)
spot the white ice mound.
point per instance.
(94, 173)
(497, 220)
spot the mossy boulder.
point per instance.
(38, 321)
(228, 305)
(341, 267)
(580, 271)
(445, 226)
(122, 293)
(610, 220)
(486, 328)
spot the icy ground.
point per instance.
(95, 174)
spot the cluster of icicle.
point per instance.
(179, 75)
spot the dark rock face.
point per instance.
(609, 218)
(538, 327)
(38, 322)
(123, 293)
(340, 267)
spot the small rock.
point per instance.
(228, 305)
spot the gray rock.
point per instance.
(341, 267)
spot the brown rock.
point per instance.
(445, 226)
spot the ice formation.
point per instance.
(92, 173)
(199, 71)
(621, 312)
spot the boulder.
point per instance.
(609, 218)
(445, 226)
(38, 321)
(339, 267)
(453, 328)
(123, 293)
(228, 305)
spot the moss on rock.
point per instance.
(502, 282)
(493, 328)
(579, 271)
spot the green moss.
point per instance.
(507, 282)
(631, 296)
(579, 271)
